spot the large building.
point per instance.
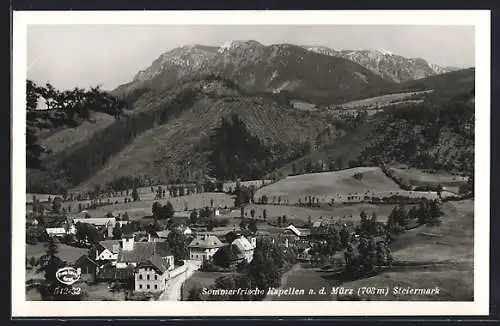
(146, 263)
(204, 247)
(246, 247)
(152, 275)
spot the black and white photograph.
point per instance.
(236, 161)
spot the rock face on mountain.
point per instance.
(385, 64)
(279, 68)
(314, 73)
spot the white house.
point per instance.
(59, 231)
(152, 275)
(291, 230)
(140, 258)
(203, 247)
(96, 221)
(246, 247)
(133, 253)
(187, 231)
(107, 251)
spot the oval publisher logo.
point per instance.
(67, 275)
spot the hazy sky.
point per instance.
(110, 55)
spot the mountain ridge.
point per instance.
(256, 67)
(386, 64)
(194, 59)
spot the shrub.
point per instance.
(358, 176)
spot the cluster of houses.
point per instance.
(149, 265)
(145, 261)
(144, 264)
(59, 227)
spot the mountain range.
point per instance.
(178, 112)
(387, 65)
(310, 72)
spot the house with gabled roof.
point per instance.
(296, 233)
(87, 267)
(203, 247)
(246, 247)
(107, 250)
(152, 275)
(228, 256)
(96, 221)
(117, 259)
(142, 251)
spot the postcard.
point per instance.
(258, 163)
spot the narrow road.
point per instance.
(174, 285)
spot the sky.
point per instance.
(110, 55)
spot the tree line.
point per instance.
(75, 165)
(410, 135)
(66, 108)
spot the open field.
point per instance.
(454, 282)
(255, 183)
(139, 209)
(330, 183)
(305, 106)
(339, 185)
(418, 177)
(453, 241)
(326, 213)
(101, 292)
(71, 136)
(301, 277)
(200, 280)
(66, 253)
(41, 197)
(384, 100)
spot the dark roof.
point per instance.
(231, 251)
(208, 241)
(111, 245)
(156, 262)
(124, 273)
(162, 234)
(54, 222)
(163, 249)
(143, 251)
(84, 260)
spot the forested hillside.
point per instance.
(167, 137)
(49, 111)
(437, 133)
(210, 125)
(428, 135)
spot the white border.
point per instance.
(480, 306)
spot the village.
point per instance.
(164, 242)
(139, 257)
